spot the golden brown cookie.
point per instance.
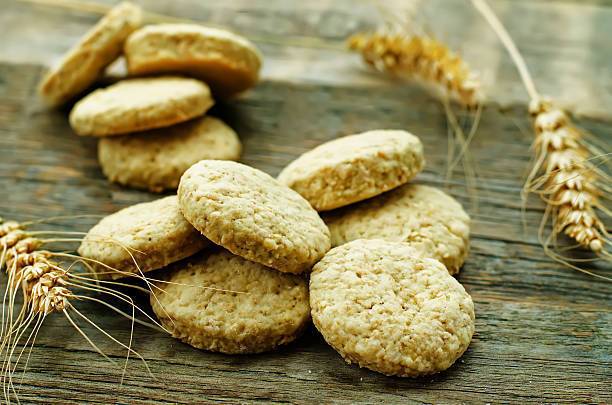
(383, 307)
(355, 167)
(267, 308)
(252, 215)
(152, 234)
(428, 219)
(156, 159)
(140, 104)
(86, 61)
(227, 62)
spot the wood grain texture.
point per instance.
(543, 331)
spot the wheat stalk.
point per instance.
(420, 57)
(47, 288)
(569, 183)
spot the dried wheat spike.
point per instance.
(42, 281)
(420, 57)
(570, 179)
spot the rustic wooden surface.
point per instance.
(543, 331)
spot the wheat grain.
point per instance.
(420, 57)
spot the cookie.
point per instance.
(88, 59)
(154, 234)
(355, 167)
(252, 215)
(140, 104)
(383, 307)
(227, 62)
(266, 308)
(429, 220)
(156, 159)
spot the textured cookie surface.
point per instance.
(266, 308)
(156, 159)
(140, 104)
(355, 167)
(383, 307)
(155, 233)
(227, 62)
(86, 61)
(252, 215)
(427, 218)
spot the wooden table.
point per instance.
(543, 331)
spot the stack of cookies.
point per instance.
(244, 295)
(153, 128)
(340, 237)
(383, 296)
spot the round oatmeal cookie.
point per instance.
(86, 61)
(383, 307)
(248, 308)
(252, 215)
(156, 159)
(227, 62)
(154, 234)
(428, 219)
(140, 104)
(355, 167)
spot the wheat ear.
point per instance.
(47, 288)
(569, 182)
(420, 57)
(41, 280)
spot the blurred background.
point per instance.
(566, 43)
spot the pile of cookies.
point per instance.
(152, 126)
(340, 237)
